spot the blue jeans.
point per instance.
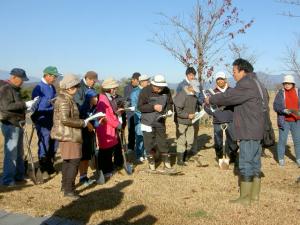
(139, 139)
(13, 165)
(294, 127)
(250, 158)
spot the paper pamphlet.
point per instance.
(95, 116)
(130, 109)
(198, 116)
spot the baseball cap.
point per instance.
(51, 70)
(19, 73)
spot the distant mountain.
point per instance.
(5, 74)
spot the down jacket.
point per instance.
(66, 123)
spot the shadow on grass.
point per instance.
(130, 214)
(273, 150)
(100, 200)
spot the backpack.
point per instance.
(269, 134)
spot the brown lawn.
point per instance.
(200, 196)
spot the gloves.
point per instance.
(32, 104)
(169, 113)
(287, 111)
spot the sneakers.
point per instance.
(281, 162)
(86, 181)
(72, 195)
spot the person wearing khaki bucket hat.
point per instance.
(109, 143)
(287, 106)
(67, 130)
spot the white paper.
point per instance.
(130, 109)
(95, 116)
(198, 116)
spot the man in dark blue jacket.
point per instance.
(43, 120)
(223, 116)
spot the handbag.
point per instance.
(269, 134)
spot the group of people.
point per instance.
(61, 121)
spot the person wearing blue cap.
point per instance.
(43, 120)
(13, 110)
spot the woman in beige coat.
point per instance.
(67, 130)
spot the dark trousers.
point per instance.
(131, 133)
(69, 172)
(105, 158)
(231, 146)
(155, 138)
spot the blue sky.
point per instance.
(111, 36)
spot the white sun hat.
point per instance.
(288, 79)
(159, 81)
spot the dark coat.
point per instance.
(146, 102)
(80, 94)
(224, 115)
(248, 116)
(12, 106)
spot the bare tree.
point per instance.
(200, 40)
(291, 3)
(292, 59)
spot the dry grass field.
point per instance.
(200, 196)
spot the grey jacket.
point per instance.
(12, 106)
(185, 104)
(248, 116)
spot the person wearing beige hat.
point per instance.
(287, 106)
(134, 96)
(155, 103)
(67, 130)
(108, 141)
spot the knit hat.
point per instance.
(110, 83)
(159, 81)
(91, 75)
(68, 81)
(289, 79)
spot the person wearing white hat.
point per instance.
(221, 117)
(155, 103)
(287, 106)
(134, 96)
